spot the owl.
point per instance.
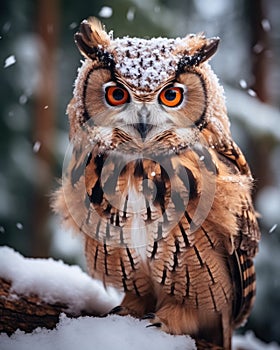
(156, 185)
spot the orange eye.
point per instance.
(116, 95)
(171, 96)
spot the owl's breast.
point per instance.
(135, 200)
(154, 211)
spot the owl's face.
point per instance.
(148, 89)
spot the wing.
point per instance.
(244, 285)
(242, 266)
(249, 233)
(245, 242)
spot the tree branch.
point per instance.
(27, 312)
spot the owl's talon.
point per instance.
(148, 316)
(156, 324)
(155, 321)
(116, 310)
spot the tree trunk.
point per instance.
(44, 126)
(261, 146)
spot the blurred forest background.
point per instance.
(38, 65)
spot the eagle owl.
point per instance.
(156, 185)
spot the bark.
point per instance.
(27, 312)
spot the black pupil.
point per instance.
(170, 94)
(118, 94)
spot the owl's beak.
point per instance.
(143, 127)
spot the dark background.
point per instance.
(35, 90)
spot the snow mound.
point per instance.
(88, 333)
(112, 332)
(53, 281)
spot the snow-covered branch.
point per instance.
(56, 303)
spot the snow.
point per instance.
(258, 48)
(36, 146)
(243, 83)
(250, 342)
(266, 25)
(273, 228)
(54, 281)
(68, 284)
(146, 63)
(130, 14)
(23, 99)
(88, 333)
(7, 27)
(251, 92)
(19, 226)
(112, 332)
(105, 12)
(73, 25)
(9, 61)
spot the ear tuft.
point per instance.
(91, 37)
(209, 48)
(197, 50)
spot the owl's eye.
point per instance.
(116, 95)
(171, 96)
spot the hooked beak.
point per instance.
(143, 127)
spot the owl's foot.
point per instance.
(134, 305)
(174, 319)
(155, 321)
(119, 310)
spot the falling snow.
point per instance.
(19, 226)
(105, 12)
(266, 25)
(9, 61)
(258, 48)
(252, 93)
(73, 25)
(243, 83)
(130, 14)
(23, 99)
(36, 146)
(273, 228)
(7, 27)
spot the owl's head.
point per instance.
(147, 90)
